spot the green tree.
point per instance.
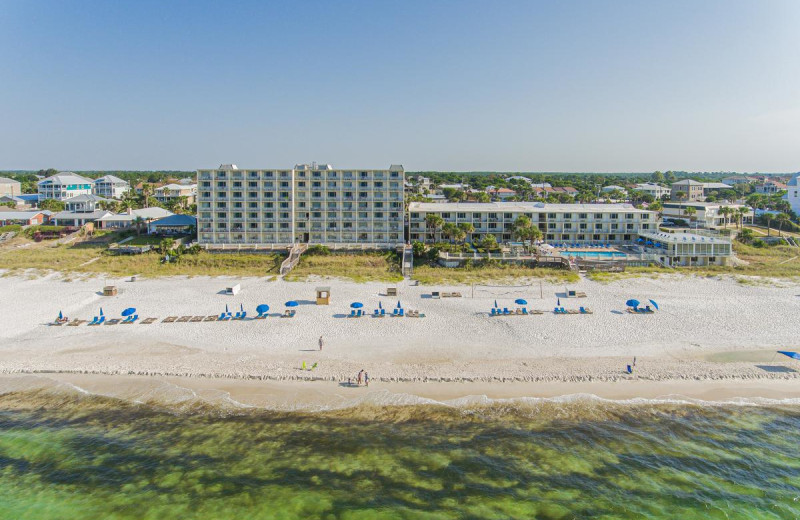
(433, 222)
(449, 230)
(467, 229)
(138, 221)
(525, 231)
(489, 242)
(781, 219)
(657, 177)
(51, 205)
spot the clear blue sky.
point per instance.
(519, 86)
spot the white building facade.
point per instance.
(313, 204)
(571, 223)
(656, 190)
(110, 187)
(10, 187)
(63, 186)
(793, 193)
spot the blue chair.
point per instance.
(383, 312)
(225, 316)
(94, 320)
(401, 313)
(395, 312)
(353, 313)
(377, 313)
(494, 312)
(524, 310)
(505, 310)
(101, 320)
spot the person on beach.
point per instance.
(366, 379)
(360, 375)
(320, 342)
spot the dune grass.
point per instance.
(76, 258)
(502, 274)
(359, 267)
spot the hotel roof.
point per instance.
(510, 207)
(680, 238)
(66, 178)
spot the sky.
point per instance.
(573, 86)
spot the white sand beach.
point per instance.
(707, 329)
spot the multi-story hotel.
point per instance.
(574, 223)
(307, 204)
(64, 185)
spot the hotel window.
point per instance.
(614, 216)
(551, 225)
(582, 216)
(629, 216)
(598, 215)
(284, 225)
(551, 215)
(598, 226)
(567, 226)
(284, 205)
(237, 184)
(582, 226)
(331, 194)
(567, 216)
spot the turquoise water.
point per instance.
(594, 254)
(66, 455)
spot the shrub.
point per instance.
(418, 248)
(759, 243)
(318, 250)
(11, 227)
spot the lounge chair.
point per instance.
(261, 316)
(197, 319)
(240, 315)
(225, 316)
(148, 321)
(518, 311)
(536, 311)
(584, 310)
(94, 320)
(380, 313)
(169, 319)
(289, 313)
(524, 311)
(572, 311)
(494, 312)
(506, 311)
(76, 322)
(113, 321)
(183, 319)
(130, 319)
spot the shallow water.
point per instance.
(64, 454)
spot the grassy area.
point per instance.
(73, 259)
(507, 273)
(144, 241)
(361, 267)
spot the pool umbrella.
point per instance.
(262, 308)
(654, 304)
(356, 305)
(129, 311)
(292, 303)
(632, 303)
(793, 355)
(520, 302)
(60, 315)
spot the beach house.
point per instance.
(706, 214)
(311, 204)
(63, 186)
(573, 223)
(10, 187)
(172, 192)
(24, 218)
(686, 249)
(656, 190)
(110, 187)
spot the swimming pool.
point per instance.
(595, 254)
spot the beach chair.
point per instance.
(352, 314)
(518, 311)
(210, 318)
(261, 316)
(240, 315)
(197, 319)
(225, 316)
(524, 311)
(494, 312)
(289, 313)
(130, 319)
(183, 319)
(506, 311)
(401, 312)
(536, 311)
(94, 320)
(75, 322)
(148, 321)
(584, 310)
(572, 311)
(169, 319)
(113, 321)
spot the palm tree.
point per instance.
(449, 230)
(689, 212)
(138, 221)
(725, 211)
(768, 217)
(781, 218)
(467, 229)
(741, 213)
(433, 222)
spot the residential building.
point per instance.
(304, 204)
(171, 192)
(24, 218)
(613, 187)
(656, 190)
(110, 187)
(132, 217)
(770, 187)
(706, 215)
(793, 193)
(708, 187)
(739, 179)
(78, 218)
(63, 186)
(16, 201)
(574, 223)
(688, 190)
(10, 187)
(83, 203)
(686, 249)
(500, 193)
(545, 189)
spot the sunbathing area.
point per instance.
(267, 329)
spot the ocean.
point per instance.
(68, 454)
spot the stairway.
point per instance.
(408, 261)
(294, 257)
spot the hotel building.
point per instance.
(573, 223)
(306, 204)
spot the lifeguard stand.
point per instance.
(323, 295)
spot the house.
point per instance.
(84, 203)
(63, 186)
(173, 225)
(793, 193)
(171, 192)
(688, 190)
(708, 187)
(10, 187)
(739, 179)
(685, 249)
(24, 218)
(707, 214)
(613, 187)
(500, 193)
(77, 219)
(132, 217)
(110, 187)
(770, 187)
(544, 191)
(656, 190)
(12, 199)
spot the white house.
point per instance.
(111, 187)
(655, 190)
(63, 186)
(793, 193)
(10, 187)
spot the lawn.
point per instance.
(501, 274)
(76, 258)
(359, 267)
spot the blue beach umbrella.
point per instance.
(398, 305)
(495, 304)
(60, 315)
(292, 303)
(241, 307)
(558, 301)
(226, 309)
(654, 304)
(793, 355)
(380, 306)
(521, 302)
(356, 305)
(632, 303)
(129, 311)
(101, 311)
(262, 308)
